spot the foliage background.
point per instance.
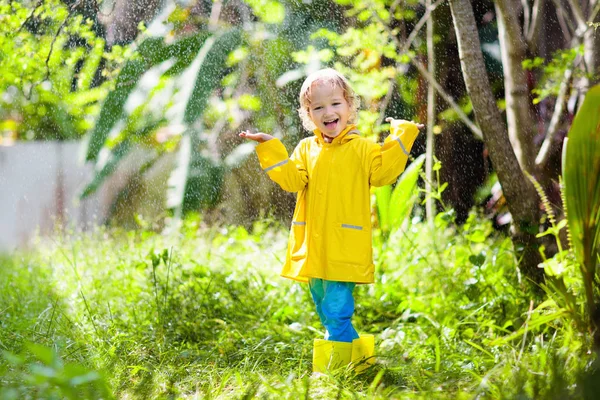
(180, 307)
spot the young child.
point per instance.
(330, 240)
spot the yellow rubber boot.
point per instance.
(363, 351)
(329, 355)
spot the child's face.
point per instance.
(328, 108)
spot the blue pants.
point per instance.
(335, 306)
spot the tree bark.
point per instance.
(521, 123)
(519, 192)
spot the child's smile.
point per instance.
(329, 109)
(332, 124)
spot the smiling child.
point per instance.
(330, 238)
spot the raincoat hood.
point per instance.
(349, 133)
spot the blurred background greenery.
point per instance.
(459, 309)
(180, 79)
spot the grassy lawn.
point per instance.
(204, 314)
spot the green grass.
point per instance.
(204, 314)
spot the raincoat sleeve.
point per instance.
(388, 161)
(288, 172)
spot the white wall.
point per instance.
(39, 187)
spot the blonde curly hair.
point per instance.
(335, 79)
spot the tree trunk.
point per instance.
(121, 23)
(519, 192)
(521, 123)
(591, 43)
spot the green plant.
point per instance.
(581, 174)
(50, 377)
(559, 270)
(393, 206)
(165, 85)
(553, 73)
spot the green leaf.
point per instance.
(581, 173)
(561, 224)
(44, 354)
(185, 51)
(477, 236)
(480, 348)
(152, 51)
(382, 203)
(196, 182)
(12, 358)
(208, 68)
(535, 322)
(402, 199)
(90, 66)
(477, 260)
(112, 109)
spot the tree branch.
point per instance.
(385, 103)
(565, 24)
(535, 22)
(526, 17)
(544, 153)
(430, 79)
(413, 35)
(579, 18)
(60, 28)
(38, 5)
(595, 12)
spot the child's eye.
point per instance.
(317, 108)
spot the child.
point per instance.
(330, 240)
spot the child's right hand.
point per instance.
(257, 137)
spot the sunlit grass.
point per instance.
(204, 314)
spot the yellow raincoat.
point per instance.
(330, 235)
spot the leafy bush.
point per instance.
(52, 64)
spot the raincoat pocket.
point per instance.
(351, 244)
(298, 240)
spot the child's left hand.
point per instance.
(396, 122)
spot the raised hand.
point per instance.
(257, 137)
(395, 122)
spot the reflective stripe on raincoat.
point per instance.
(330, 236)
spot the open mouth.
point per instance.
(331, 124)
